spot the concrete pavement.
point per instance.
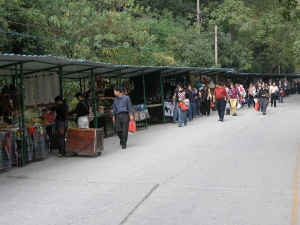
(242, 171)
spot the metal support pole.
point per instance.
(23, 137)
(94, 99)
(80, 83)
(84, 85)
(145, 98)
(61, 82)
(162, 96)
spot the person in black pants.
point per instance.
(122, 112)
(206, 99)
(220, 94)
(61, 122)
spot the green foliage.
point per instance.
(256, 36)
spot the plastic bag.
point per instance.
(256, 106)
(49, 117)
(132, 127)
(239, 105)
(227, 106)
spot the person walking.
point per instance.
(175, 110)
(281, 91)
(274, 94)
(181, 96)
(198, 103)
(233, 95)
(220, 96)
(206, 99)
(191, 95)
(81, 111)
(263, 95)
(251, 94)
(61, 122)
(122, 114)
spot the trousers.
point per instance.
(121, 127)
(175, 112)
(233, 105)
(263, 105)
(221, 105)
(83, 122)
(62, 138)
(273, 99)
(181, 117)
(192, 110)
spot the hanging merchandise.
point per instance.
(29, 99)
(46, 90)
(39, 91)
(56, 86)
(100, 83)
(169, 108)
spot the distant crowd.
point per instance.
(193, 103)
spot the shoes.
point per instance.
(173, 122)
(123, 146)
(197, 116)
(264, 114)
(185, 124)
(179, 126)
(222, 120)
(219, 119)
(234, 114)
(190, 120)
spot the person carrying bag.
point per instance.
(61, 123)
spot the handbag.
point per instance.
(61, 129)
(276, 93)
(212, 105)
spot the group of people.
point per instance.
(122, 114)
(193, 103)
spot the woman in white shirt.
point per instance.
(274, 93)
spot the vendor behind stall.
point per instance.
(61, 122)
(82, 111)
(89, 96)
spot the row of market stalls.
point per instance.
(37, 80)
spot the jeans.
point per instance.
(121, 127)
(251, 100)
(83, 122)
(273, 99)
(175, 112)
(233, 105)
(62, 138)
(192, 110)
(221, 105)
(181, 117)
(263, 105)
(280, 99)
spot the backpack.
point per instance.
(90, 111)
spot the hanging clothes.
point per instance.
(29, 86)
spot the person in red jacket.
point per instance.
(220, 94)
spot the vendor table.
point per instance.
(37, 145)
(88, 141)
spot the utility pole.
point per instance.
(198, 11)
(216, 45)
(198, 14)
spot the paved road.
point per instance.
(242, 171)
